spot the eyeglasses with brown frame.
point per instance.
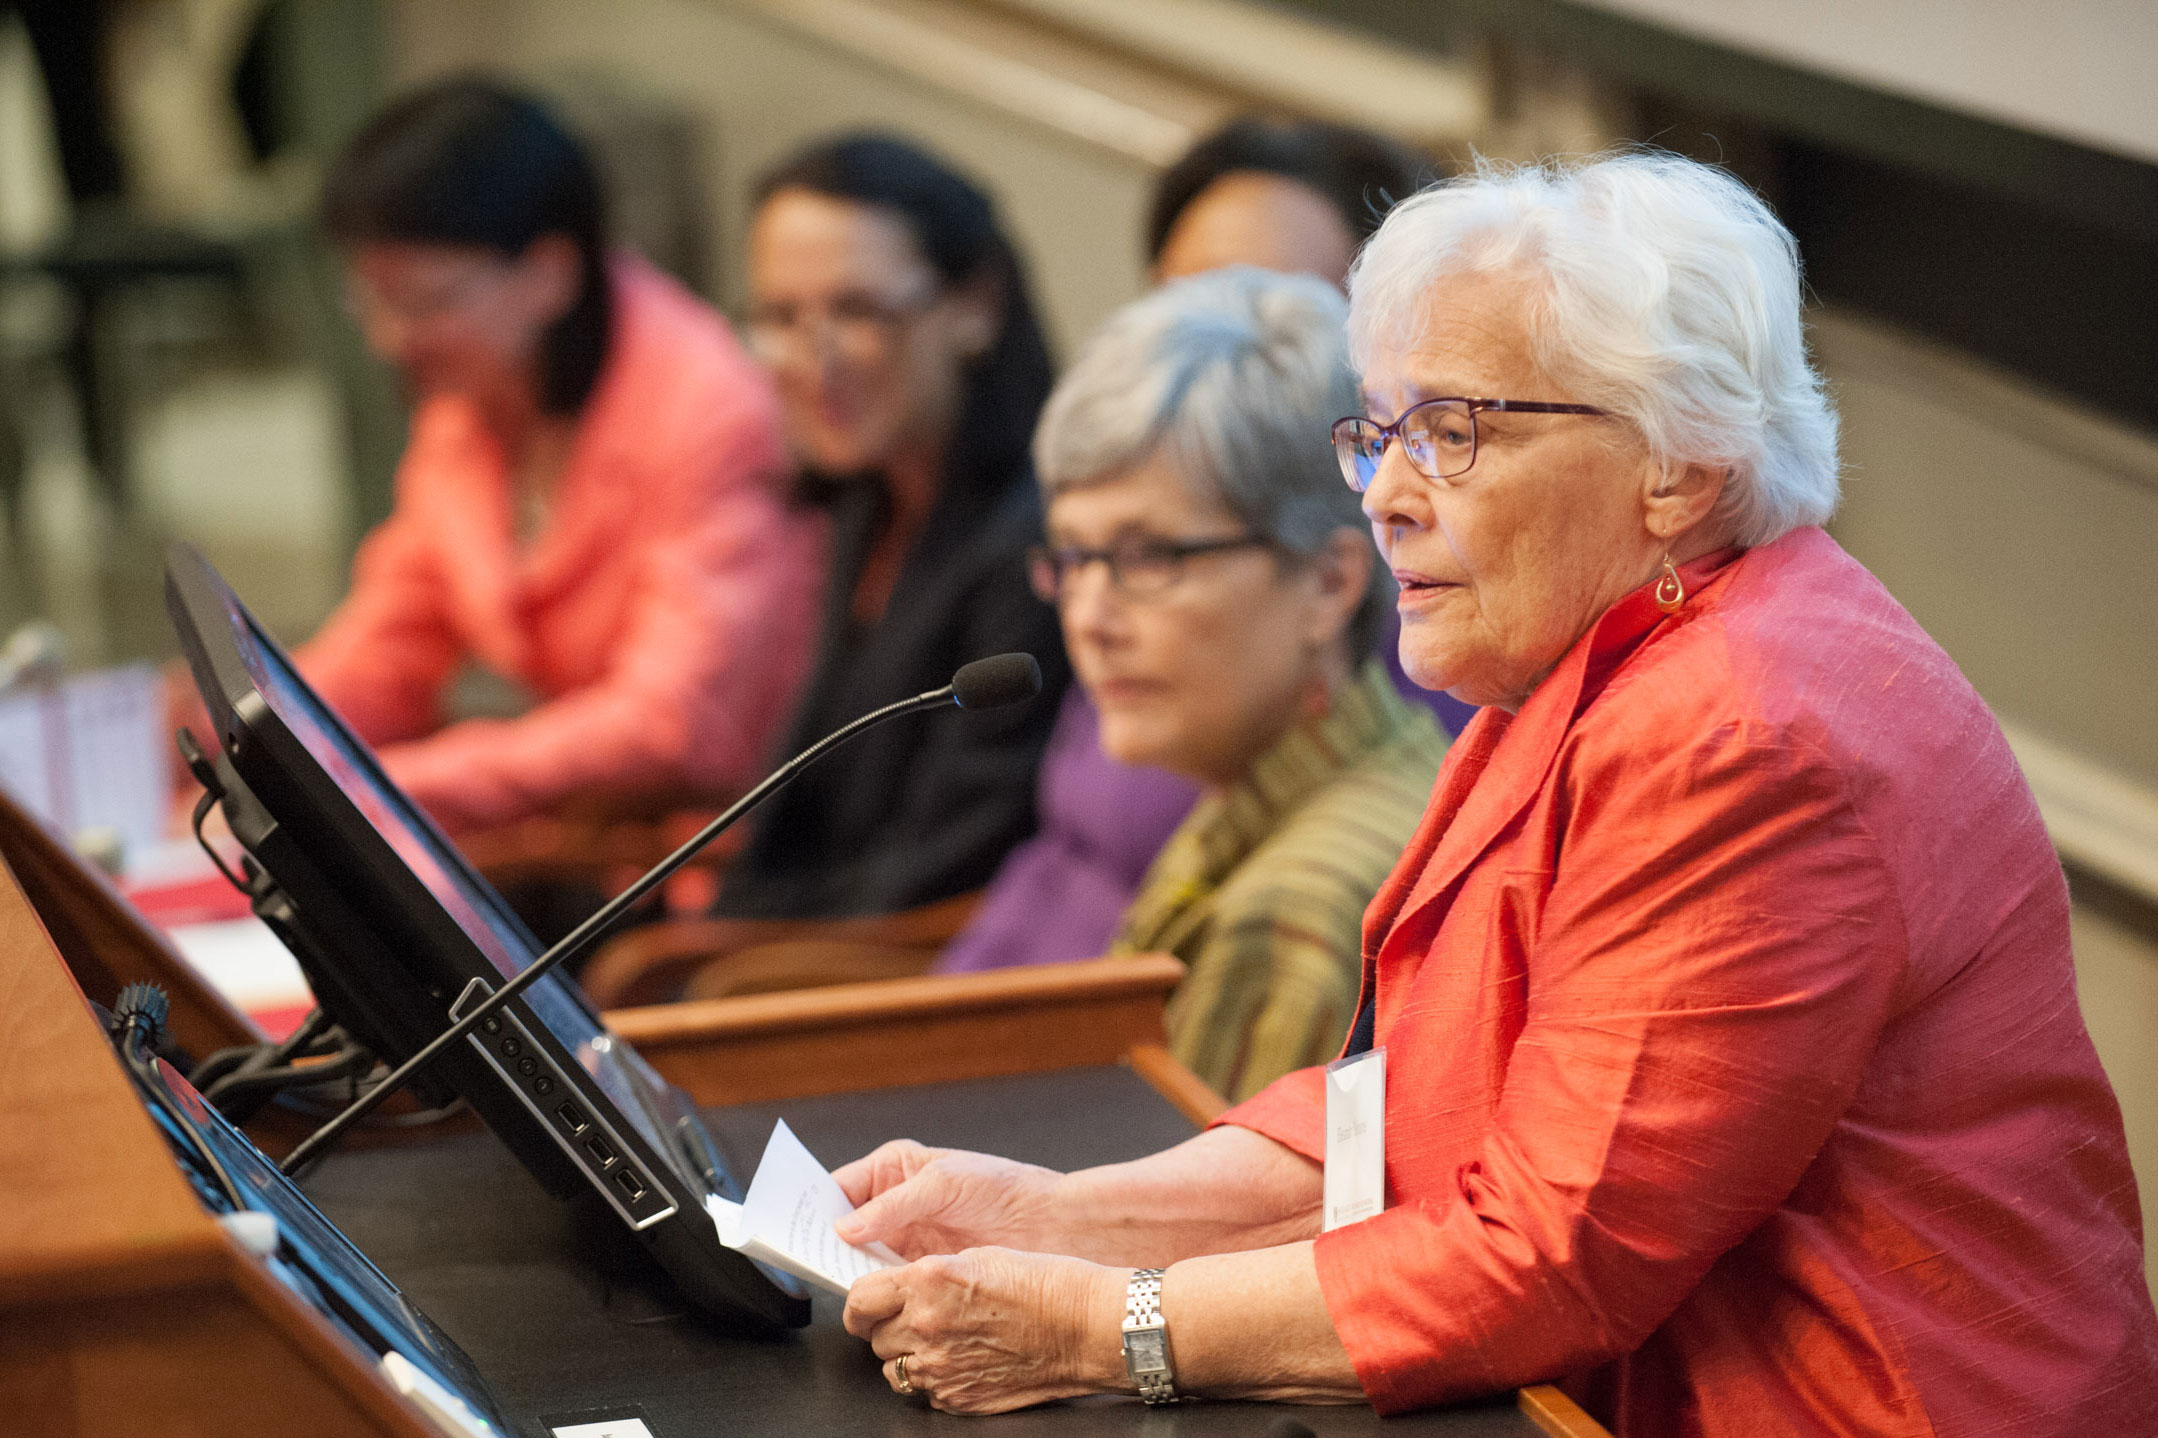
(1438, 436)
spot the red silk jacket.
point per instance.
(1735, 1070)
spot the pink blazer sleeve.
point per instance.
(717, 642)
(382, 659)
(1718, 950)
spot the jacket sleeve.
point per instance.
(382, 659)
(1291, 1111)
(716, 645)
(1719, 948)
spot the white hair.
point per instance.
(1669, 294)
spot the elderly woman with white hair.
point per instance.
(1733, 1070)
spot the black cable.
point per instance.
(203, 806)
(220, 1063)
(199, 764)
(301, 1042)
(139, 1015)
(316, 1037)
(231, 1092)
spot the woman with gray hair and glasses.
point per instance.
(1718, 1052)
(1219, 595)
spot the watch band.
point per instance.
(1146, 1338)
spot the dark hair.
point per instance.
(954, 225)
(1361, 174)
(468, 161)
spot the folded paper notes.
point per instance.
(786, 1218)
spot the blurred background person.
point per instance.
(895, 317)
(591, 505)
(1219, 596)
(1294, 196)
(1298, 196)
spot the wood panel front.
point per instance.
(106, 943)
(124, 1308)
(905, 1031)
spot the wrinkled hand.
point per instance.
(990, 1329)
(924, 1200)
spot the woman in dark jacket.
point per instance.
(894, 316)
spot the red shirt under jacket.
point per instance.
(1735, 1067)
(665, 616)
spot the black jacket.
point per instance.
(924, 807)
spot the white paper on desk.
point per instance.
(787, 1216)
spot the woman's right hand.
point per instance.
(920, 1200)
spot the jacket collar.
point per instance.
(1502, 761)
(1225, 828)
(609, 439)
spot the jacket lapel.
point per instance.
(1503, 761)
(1511, 755)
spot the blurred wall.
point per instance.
(2079, 68)
(760, 89)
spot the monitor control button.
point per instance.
(511, 1048)
(543, 1085)
(528, 1066)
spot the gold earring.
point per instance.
(1670, 589)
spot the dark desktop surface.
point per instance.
(564, 1314)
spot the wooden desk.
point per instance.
(562, 1319)
(124, 1308)
(120, 1298)
(936, 1028)
(106, 943)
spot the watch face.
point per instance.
(1146, 1350)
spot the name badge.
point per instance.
(1355, 1185)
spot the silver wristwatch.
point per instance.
(1146, 1339)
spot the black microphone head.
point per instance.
(148, 1001)
(999, 680)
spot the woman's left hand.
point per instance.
(993, 1329)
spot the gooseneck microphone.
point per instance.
(990, 683)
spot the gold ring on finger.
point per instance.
(899, 1369)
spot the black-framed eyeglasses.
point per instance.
(1137, 565)
(1438, 436)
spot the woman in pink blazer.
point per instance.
(592, 505)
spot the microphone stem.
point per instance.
(585, 934)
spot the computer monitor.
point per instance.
(398, 935)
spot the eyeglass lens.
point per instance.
(1438, 436)
(856, 326)
(1136, 566)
